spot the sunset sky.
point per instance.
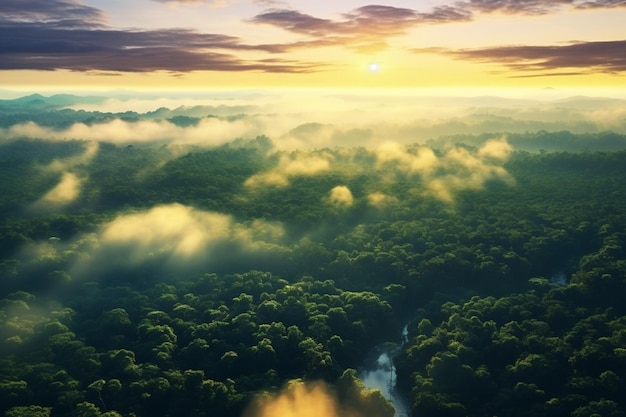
(190, 44)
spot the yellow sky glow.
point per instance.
(298, 45)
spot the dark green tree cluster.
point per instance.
(199, 347)
(554, 350)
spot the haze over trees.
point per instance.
(169, 278)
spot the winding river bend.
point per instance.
(382, 376)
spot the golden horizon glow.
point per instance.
(354, 44)
(428, 74)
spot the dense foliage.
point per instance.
(512, 286)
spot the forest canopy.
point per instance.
(168, 279)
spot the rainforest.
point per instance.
(236, 260)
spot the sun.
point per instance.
(374, 67)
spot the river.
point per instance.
(381, 375)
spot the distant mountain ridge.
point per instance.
(40, 102)
(585, 102)
(575, 123)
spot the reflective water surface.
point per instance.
(382, 376)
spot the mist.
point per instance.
(318, 399)
(63, 193)
(179, 237)
(290, 165)
(306, 119)
(297, 400)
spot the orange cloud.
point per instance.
(297, 400)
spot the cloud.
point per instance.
(62, 34)
(310, 133)
(296, 22)
(470, 170)
(182, 236)
(528, 7)
(379, 20)
(66, 191)
(534, 7)
(174, 229)
(296, 164)
(446, 14)
(340, 196)
(60, 13)
(339, 118)
(268, 3)
(442, 176)
(387, 21)
(69, 186)
(371, 20)
(365, 29)
(65, 34)
(214, 3)
(39, 47)
(219, 3)
(597, 4)
(349, 398)
(422, 161)
(580, 58)
(304, 165)
(298, 399)
(498, 149)
(64, 164)
(210, 131)
(381, 200)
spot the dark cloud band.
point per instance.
(68, 13)
(586, 57)
(62, 34)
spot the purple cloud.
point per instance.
(528, 7)
(585, 57)
(534, 7)
(62, 34)
(597, 4)
(365, 29)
